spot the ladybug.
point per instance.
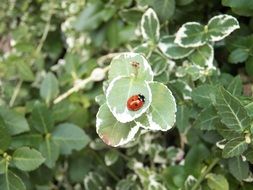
(135, 102)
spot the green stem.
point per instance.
(15, 93)
(203, 175)
(45, 32)
(6, 170)
(157, 50)
(108, 170)
(124, 156)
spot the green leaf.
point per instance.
(14, 122)
(150, 26)
(124, 65)
(112, 33)
(162, 112)
(5, 139)
(80, 165)
(235, 86)
(25, 71)
(111, 157)
(181, 89)
(50, 151)
(159, 63)
(249, 108)
(227, 133)
(238, 168)
(249, 66)
(231, 112)
(27, 159)
(29, 139)
(49, 88)
(10, 181)
(207, 119)
(93, 14)
(238, 56)
(204, 95)
(165, 9)
(191, 34)
(127, 87)
(182, 117)
(131, 15)
(164, 77)
(203, 56)
(3, 164)
(111, 131)
(234, 147)
(221, 26)
(63, 110)
(41, 118)
(249, 155)
(217, 182)
(173, 50)
(240, 42)
(144, 49)
(174, 176)
(195, 72)
(194, 158)
(184, 2)
(242, 7)
(70, 137)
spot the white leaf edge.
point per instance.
(123, 117)
(150, 12)
(123, 141)
(229, 31)
(127, 55)
(164, 47)
(153, 125)
(181, 34)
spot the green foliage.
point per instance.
(27, 159)
(49, 88)
(11, 181)
(232, 113)
(216, 182)
(68, 68)
(70, 137)
(13, 122)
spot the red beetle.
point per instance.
(135, 102)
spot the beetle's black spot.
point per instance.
(136, 104)
(141, 97)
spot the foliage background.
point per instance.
(47, 47)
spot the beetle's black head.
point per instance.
(141, 97)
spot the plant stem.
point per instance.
(123, 156)
(203, 175)
(80, 85)
(45, 32)
(157, 50)
(15, 93)
(75, 88)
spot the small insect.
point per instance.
(135, 102)
(135, 64)
(136, 67)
